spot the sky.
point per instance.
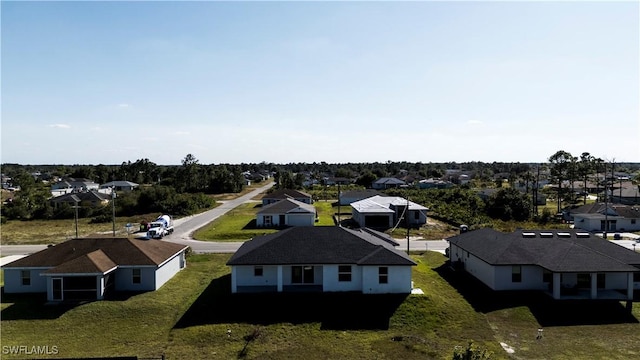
(281, 82)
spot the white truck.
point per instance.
(162, 226)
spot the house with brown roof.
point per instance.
(565, 264)
(94, 268)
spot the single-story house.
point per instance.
(566, 264)
(387, 183)
(287, 212)
(321, 259)
(68, 185)
(385, 212)
(119, 185)
(628, 194)
(287, 194)
(434, 184)
(92, 268)
(91, 198)
(618, 217)
(347, 197)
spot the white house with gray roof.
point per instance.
(566, 264)
(384, 212)
(321, 259)
(287, 212)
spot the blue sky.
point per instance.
(233, 82)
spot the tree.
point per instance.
(560, 163)
(509, 204)
(585, 167)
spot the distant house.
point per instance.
(434, 184)
(628, 194)
(566, 264)
(383, 212)
(618, 217)
(92, 269)
(347, 197)
(91, 198)
(286, 194)
(287, 212)
(68, 185)
(387, 183)
(119, 185)
(321, 259)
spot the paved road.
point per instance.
(185, 227)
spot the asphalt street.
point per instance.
(185, 227)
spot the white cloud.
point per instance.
(60, 126)
(124, 106)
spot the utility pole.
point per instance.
(339, 223)
(406, 218)
(606, 212)
(113, 209)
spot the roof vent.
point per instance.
(582, 235)
(528, 234)
(564, 234)
(546, 235)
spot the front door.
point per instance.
(282, 222)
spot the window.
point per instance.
(583, 281)
(135, 276)
(416, 215)
(26, 277)
(601, 281)
(383, 275)
(516, 273)
(636, 276)
(268, 220)
(633, 221)
(547, 276)
(302, 274)
(344, 273)
(257, 271)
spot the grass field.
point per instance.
(56, 231)
(194, 316)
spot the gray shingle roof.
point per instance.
(319, 245)
(287, 205)
(558, 253)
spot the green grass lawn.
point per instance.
(190, 318)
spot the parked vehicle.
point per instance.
(162, 226)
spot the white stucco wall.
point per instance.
(476, 267)
(124, 279)
(169, 269)
(331, 282)
(244, 276)
(13, 281)
(531, 278)
(399, 280)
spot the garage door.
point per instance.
(376, 221)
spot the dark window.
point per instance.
(416, 215)
(547, 276)
(633, 221)
(636, 277)
(344, 273)
(584, 281)
(268, 220)
(516, 273)
(383, 275)
(136, 277)
(26, 277)
(302, 274)
(257, 271)
(601, 281)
